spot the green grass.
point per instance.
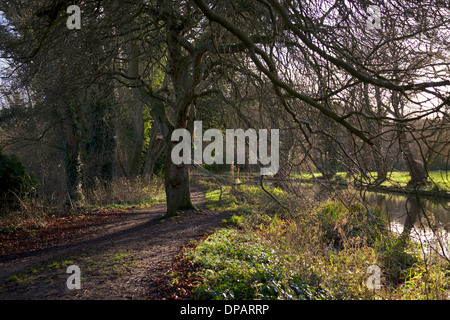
(401, 179)
(245, 199)
(438, 180)
(221, 199)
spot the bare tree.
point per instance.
(346, 87)
(331, 40)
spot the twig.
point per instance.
(271, 195)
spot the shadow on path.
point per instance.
(122, 262)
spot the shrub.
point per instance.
(14, 179)
(352, 225)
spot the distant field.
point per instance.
(439, 180)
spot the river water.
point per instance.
(426, 221)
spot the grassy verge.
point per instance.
(325, 254)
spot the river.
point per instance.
(426, 221)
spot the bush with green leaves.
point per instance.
(14, 179)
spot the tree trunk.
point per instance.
(376, 128)
(101, 145)
(71, 157)
(177, 186)
(179, 68)
(72, 166)
(154, 150)
(416, 168)
(381, 167)
(138, 141)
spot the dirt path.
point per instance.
(121, 260)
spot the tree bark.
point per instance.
(416, 168)
(135, 159)
(176, 177)
(154, 150)
(101, 144)
(184, 71)
(177, 186)
(71, 157)
(378, 157)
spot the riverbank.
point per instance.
(411, 192)
(331, 252)
(397, 182)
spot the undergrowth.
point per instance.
(323, 254)
(238, 265)
(121, 194)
